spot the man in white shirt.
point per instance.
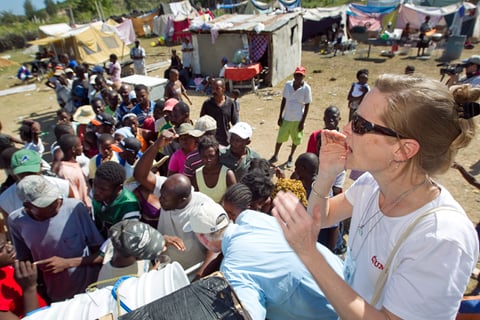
(137, 54)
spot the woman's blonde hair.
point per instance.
(427, 111)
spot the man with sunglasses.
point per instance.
(472, 73)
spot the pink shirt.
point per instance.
(72, 172)
(177, 162)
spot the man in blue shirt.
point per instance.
(144, 108)
(269, 279)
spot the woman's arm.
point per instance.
(301, 230)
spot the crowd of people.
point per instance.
(133, 179)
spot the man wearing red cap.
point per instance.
(297, 97)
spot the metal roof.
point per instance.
(248, 22)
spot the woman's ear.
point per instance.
(408, 148)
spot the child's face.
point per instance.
(363, 79)
(63, 117)
(331, 120)
(105, 149)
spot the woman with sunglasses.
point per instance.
(406, 229)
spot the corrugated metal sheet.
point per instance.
(247, 22)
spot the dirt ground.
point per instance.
(330, 79)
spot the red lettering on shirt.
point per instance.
(377, 264)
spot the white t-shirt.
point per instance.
(431, 269)
(171, 223)
(295, 100)
(357, 89)
(187, 56)
(9, 200)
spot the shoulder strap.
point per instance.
(379, 285)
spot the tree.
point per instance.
(50, 7)
(29, 9)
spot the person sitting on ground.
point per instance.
(112, 203)
(131, 254)
(237, 156)
(394, 205)
(187, 137)
(175, 88)
(24, 73)
(18, 284)
(25, 163)
(212, 178)
(255, 271)
(58, 234)
(208, 126)
(106, 147)
(70, 169)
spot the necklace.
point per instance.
(365, 222)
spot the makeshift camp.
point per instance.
(143, 25)
(175, 20)
(317, 21)
(272, 40)
(85, 44)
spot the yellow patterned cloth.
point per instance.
(292, 185)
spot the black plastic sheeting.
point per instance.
(209, 298)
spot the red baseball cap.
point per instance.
(169, 104)
(301, 70)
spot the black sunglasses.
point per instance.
(361, 126)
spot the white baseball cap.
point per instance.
(207, 217)
(242, 129)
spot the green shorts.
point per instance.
(290, 129)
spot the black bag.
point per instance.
(209, 298)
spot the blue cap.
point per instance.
(97, 69)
